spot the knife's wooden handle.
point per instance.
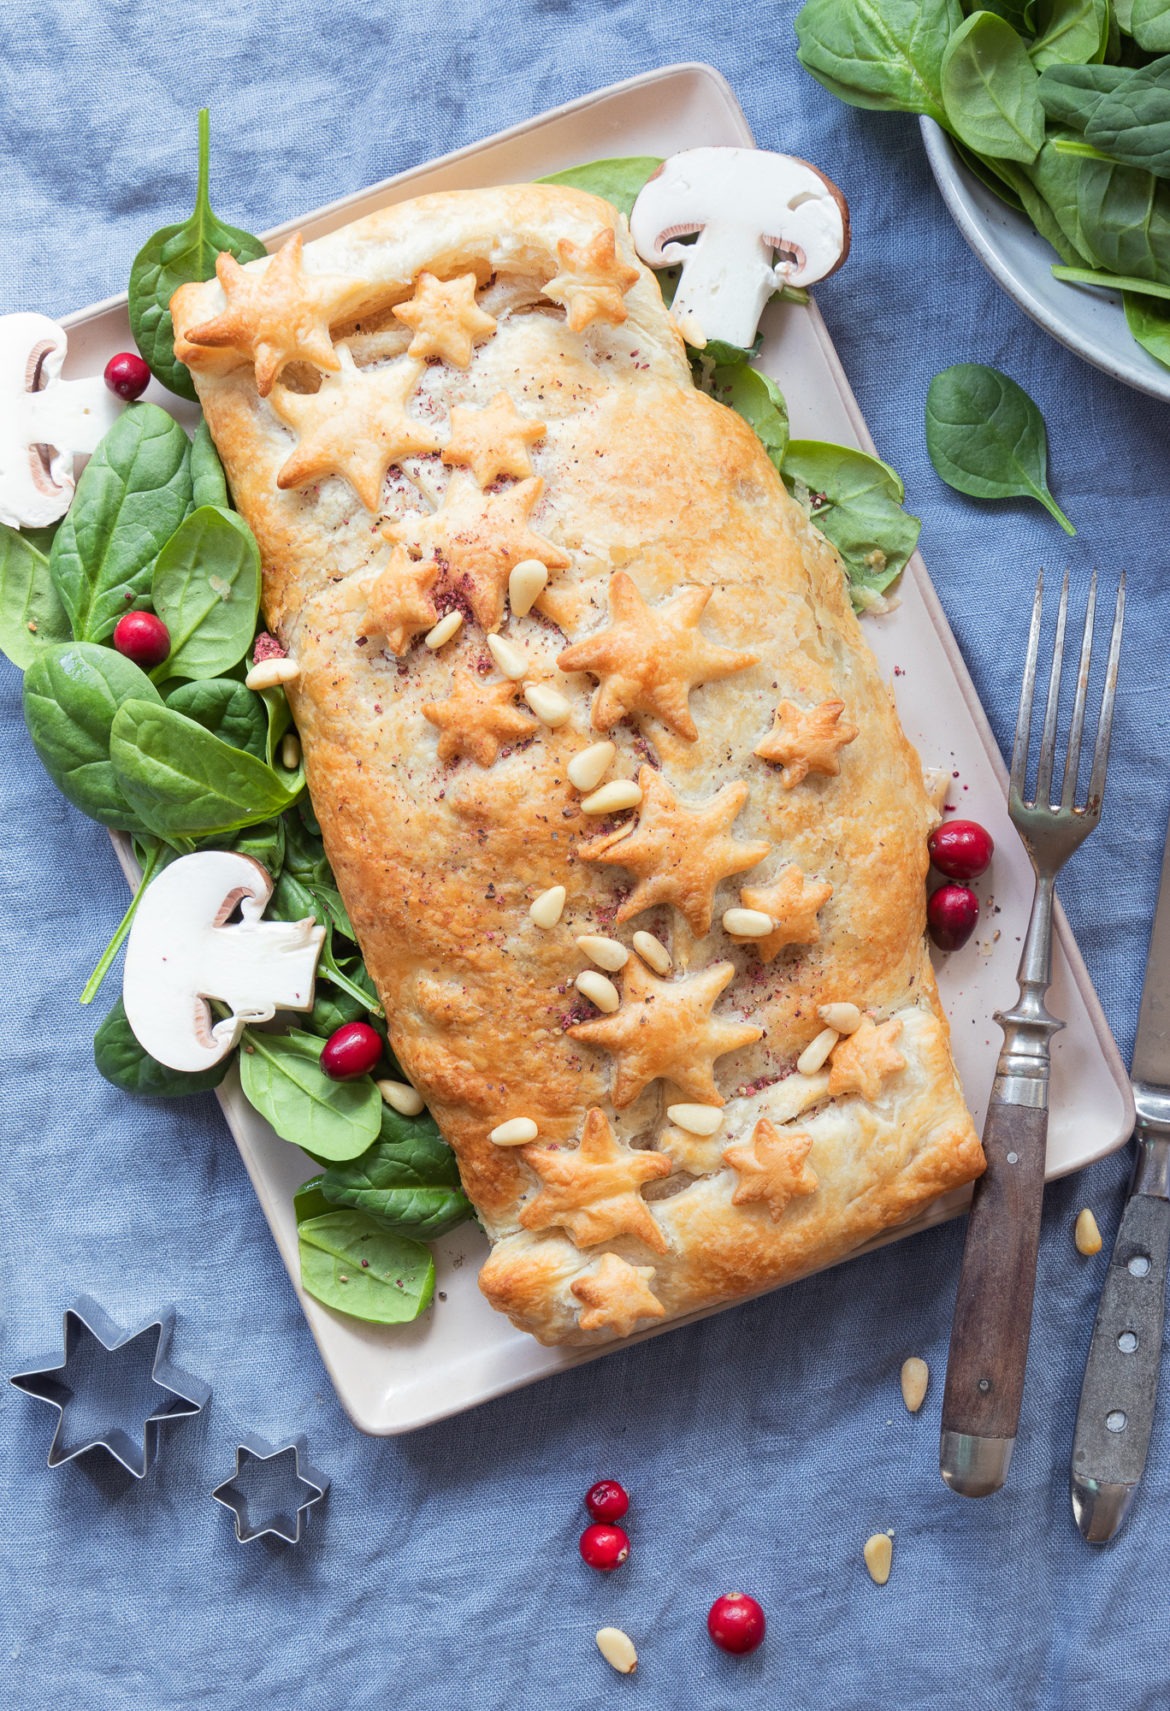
(993, 1311)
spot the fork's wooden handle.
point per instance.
(993, 1311)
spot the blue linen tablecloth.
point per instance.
(762, 1446)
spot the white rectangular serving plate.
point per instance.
(460, 1352)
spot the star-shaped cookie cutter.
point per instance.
(85, 1325)
(279, 1498)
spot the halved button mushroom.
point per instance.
(759, 221)
(182, 953)
(45, 422)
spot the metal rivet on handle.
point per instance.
(1139, 1265)
(1127, 1342)
(1116, 1420)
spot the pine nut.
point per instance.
(748, 923)
(609, 954)
(879, 1555)
(510, 659)
(814, 1055)
(272, 672)
(546, 909)
(618, 1650)
(527, 581)
(1088, 1236)
(611, 798)
(290, 751)
(653, 952)
(516, 1132)
(915, 1377)
(696, 1119)
(549, 705)
(588, 767)
(844, 1018)
(443, 630)
(401, 1097)
(598, 990)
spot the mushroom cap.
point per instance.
(45, 422)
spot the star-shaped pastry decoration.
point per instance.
(593, 1191)
(477, 717)
(593, 281)
(355, 426)
(397, 602)
(614, 1295)
(862, 1061)
(771, 1167)
(665, 1029)
(480, 536)
(651, 657)
(445, 318)
(805, 741)
(678, 854)
(793, 902)
(279, 315)
(493, 441)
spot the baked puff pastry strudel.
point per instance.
(636, 855)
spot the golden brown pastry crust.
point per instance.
(443, 827)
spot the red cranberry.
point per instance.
(604, 1547)
(962, 849)
(736, 1622)
(143, 638)
(127, 375)
(951, 914)
(607, 1500)
(353, 1050)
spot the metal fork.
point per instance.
(993, 1311)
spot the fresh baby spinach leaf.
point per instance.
(184, 783)
(408, 1179)
(1149, 24)
(309, 1202)
(223, 706)
(759, 401)
(856, 502)
(281, 1076)
(1123, 217)
(990, 90)
(130, 499)
(351, 1263)
(72, 694)
(31, 614)
(175, 256)
(1071, 94)
(1149, 322)
(1111, 281)
(879, 53)
(617, 181)
(206, 590)
(123, 1062)
(1069, 32)
(1131, 121)
(987, 438)
(208, 481)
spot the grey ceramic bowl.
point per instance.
(1090, 322)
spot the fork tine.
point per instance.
(1027, 692)
(1072, 761)
(1105, 727)
(1048, 739)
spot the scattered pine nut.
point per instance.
(879, 1556)
(1088, 1236)
(813, 1056)
(549, 705)
(516, 1132)
(290, 751)
(598, 990)
(401, 1097)
(844, 1018)
(510, 659)
(589, 766)
(546, 909)
(696, 1119)
(653, 952)
(915, 1377)
(272, 672)
(609, 954)
(526, 583)
(748, 923)
(618, 1650)
(443, 630)
(613, 797)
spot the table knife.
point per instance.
(1120, 1389)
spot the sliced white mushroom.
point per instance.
(758, 220)
(182, 953)
(45, 422)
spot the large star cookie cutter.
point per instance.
(271, 1490)
(112, 1390)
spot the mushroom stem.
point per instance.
(727, 279)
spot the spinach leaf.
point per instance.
(121, 1060)
(184, 783)
(1020, 14)
(354, 1265)
(264, 843)
(759, 401)
(1111, 281)
(990, 90)
(1149, 24)
(279, 716)
(223, 706)
(333, 1008)
(1131, 122)
(174, 256)
(1070, 32)
(309, 1202)
(294, 899)
(306, 849)
(1149, 322)
(408, 1179)
(879, 53)
(616, 181)
(208, 481)
(856, 502)
(206, 590)
(31, 614)
(72, 693)
(153, 855)
(986, 437)
(1071, 94)
(130, 499)
(281, 1076)
(1124, 219)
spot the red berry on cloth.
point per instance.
(142, 638)
(951, 914)
(962, 849)
(736, 1622)
(604, 1547)
(352, 1050)
(127, 375)
(607, 1500)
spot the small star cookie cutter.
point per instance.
(103, 1379)
(272, 1490)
